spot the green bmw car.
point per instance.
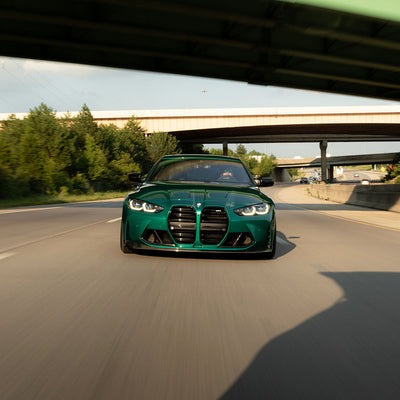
(198, 203)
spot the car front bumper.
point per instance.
(253, 234)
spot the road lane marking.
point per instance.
(54, 235)
(277, 198)
(114, 220)
(38, 208)
(6, 255)
(27, 209)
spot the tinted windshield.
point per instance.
(200, 170)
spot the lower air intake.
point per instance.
(157, 236)
(238, 239)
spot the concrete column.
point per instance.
(225, 148)
(323, 144)
(331, 173)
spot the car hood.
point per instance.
(199, 195)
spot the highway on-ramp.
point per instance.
(81, 320)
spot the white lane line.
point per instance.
(13, 211)
(113, 220)
(6, 255)
(54, 235)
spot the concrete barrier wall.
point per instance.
(381, 196)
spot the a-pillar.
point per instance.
(225, 148)
(323, 144)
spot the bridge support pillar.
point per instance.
(225, 148)
(331, 169)
(323, 144)
(281, 174)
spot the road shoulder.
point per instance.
(298, 196)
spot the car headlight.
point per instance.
(255, 209)
(140, 205)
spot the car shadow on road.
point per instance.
(349, 351)
(284, 246)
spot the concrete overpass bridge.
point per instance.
(364, 159)
(262, 125)
(268, 125)
(265, 125)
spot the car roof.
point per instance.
(202, 156)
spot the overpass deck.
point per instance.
(261, 125)
(363, 159)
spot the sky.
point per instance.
(24, 84)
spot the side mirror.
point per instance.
(135, 177)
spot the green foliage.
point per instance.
(219, 152)
(393, 169)
(131, 140)
(193, 148)
(160, 144)
(45, 156)
(294, 173)
(258, 163)
(241, 150)
(265, 166)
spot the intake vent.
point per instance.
(238, 239)
(213, 225)
(157, 236)
(182, 224)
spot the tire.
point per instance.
(271, 255)
(124, 248)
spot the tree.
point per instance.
(266, 165)
(219, 152)
(6, 175)
(131, 140)
(31, 170)
(11, 134)
(97, 162)
(81, 126)
(193, 148)
(160, 144)
(241, 150)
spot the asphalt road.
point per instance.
(372, 176)
(81, 320)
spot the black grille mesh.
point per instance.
(213, 225)
(182, 224)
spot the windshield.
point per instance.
(201, 170)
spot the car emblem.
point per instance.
(198, 205)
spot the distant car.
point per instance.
(266, 181)
(198, 203)
(364, 182)
(356, 175)
(303, 180)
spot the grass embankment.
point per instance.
(61, 198)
